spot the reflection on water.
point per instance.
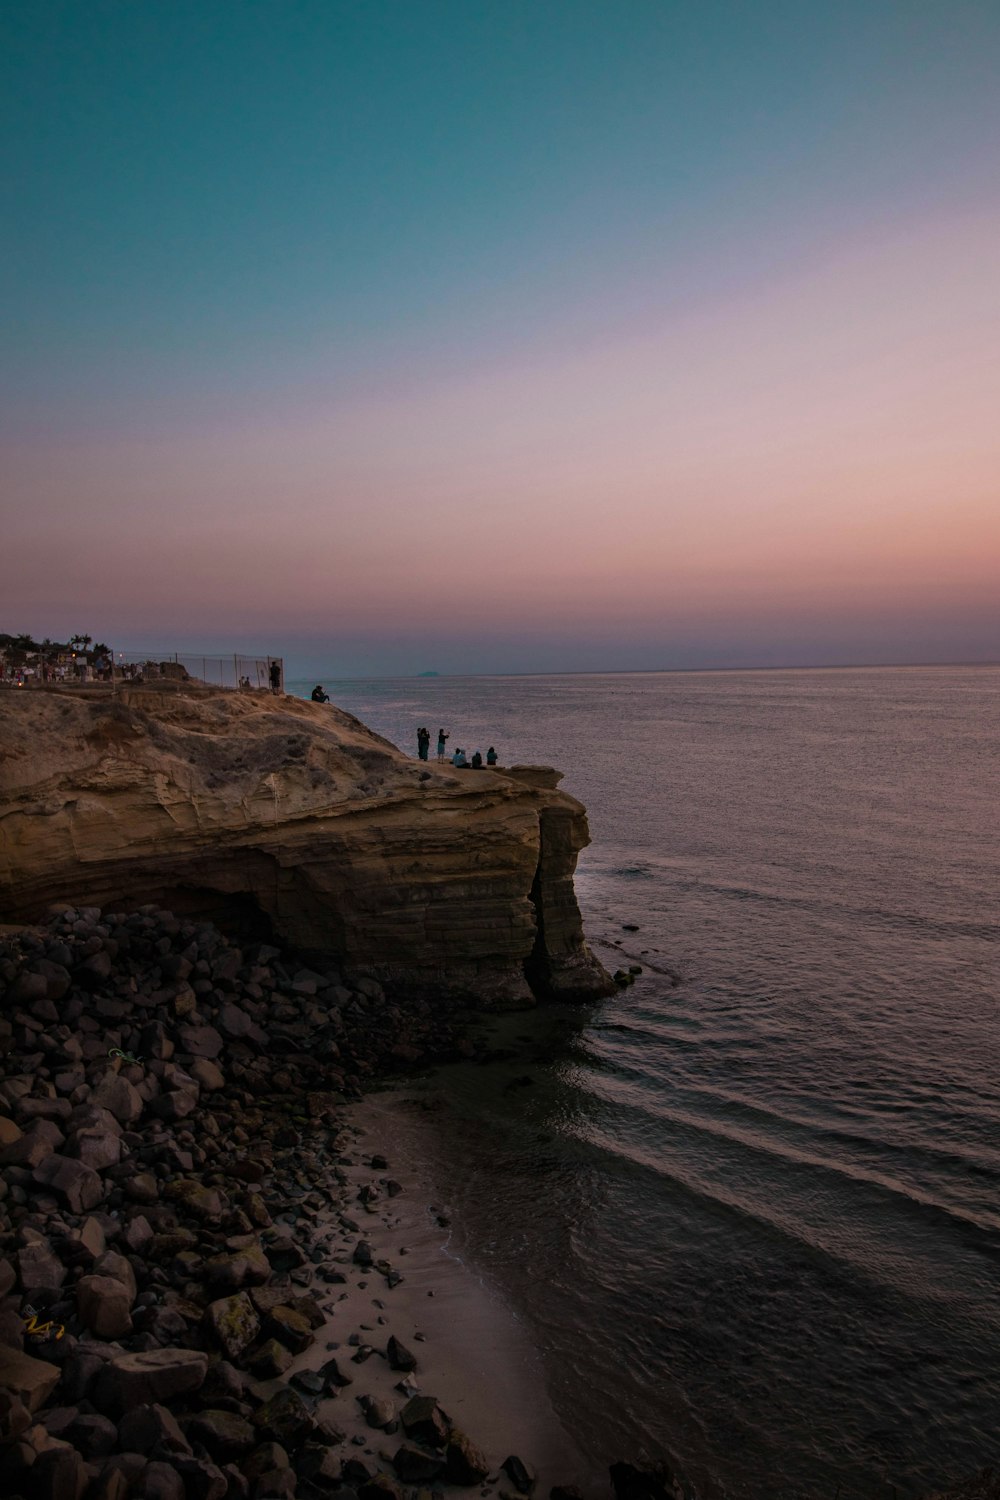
(753, 1217)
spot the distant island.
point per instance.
(428, 674)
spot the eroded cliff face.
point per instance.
(223, 804)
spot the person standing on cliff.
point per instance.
(275, 676)
(423, 743)
(442, 741)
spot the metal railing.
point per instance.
(236, 672)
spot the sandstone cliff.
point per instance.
(244, 807)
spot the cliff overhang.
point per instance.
(294, 817)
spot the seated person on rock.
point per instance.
(477, 760)
(318, 695)
(459, 760)
(491, 756)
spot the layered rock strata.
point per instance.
(244, 807)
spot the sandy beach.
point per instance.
(472, 1353)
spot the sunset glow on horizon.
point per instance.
(488, 368)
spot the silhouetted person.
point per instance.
(318, 695)
(477, 760)
(442, 741)
(423, 743)
(275, 676)
(491, 756)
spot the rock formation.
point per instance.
(294, 817)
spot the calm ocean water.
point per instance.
(750, 1208)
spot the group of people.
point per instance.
(459, 758)
(462, 761)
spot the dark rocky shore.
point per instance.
(180, 1222)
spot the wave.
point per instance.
(826, 903)
(979, 1231)
(982, 1162)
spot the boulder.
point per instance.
(414, 1465)
(41, 1138)
(175, 1105)
(95, 1148)
(201, 1041)
(234, 1021)
(151, 1428)
(334, 1375)
(521, 1475)
(159, 1481)
(39, 1269)
(320, 1466)
(104, 1306)
(149, 1376)
(399, 1356)
(119, 1268)
(32, 1381)
(119, 1097)
(79, 1185)
(228, 1273)
(233, 1323)
(291, 1327)
(224, 1385)
(137, 1233)
(425, 1422)
(378, 1412)
(464, 1463)
(284, 1418)
(15, 1418)
(264, 1459)
(270, 1360)
(92, 1435)
(86, 1244)
(118, 1477)
(225, 1434)
(59, 1474)
(202, 1203)
(379, 1487)
(207, 1074)
(203, 1480)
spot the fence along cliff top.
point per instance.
(236, 671)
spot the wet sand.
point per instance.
(473, 1354)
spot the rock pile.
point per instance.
(174, 1224)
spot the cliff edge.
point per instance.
(243, 807)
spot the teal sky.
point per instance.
(280, 279)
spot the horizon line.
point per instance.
(912, 666)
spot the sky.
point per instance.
(469, 336)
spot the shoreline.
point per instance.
(198, 1193)
(473, 1352)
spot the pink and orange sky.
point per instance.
(733, 403)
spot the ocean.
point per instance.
(748, 1207)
